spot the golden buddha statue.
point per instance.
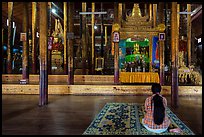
(136, 49)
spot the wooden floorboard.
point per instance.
(72, 114)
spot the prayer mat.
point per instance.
(124, 119)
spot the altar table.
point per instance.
(139, 77)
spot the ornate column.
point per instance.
(189, 35)
(25, 65)
(34, 42)
(92, 38)
(43, 26)
(65, 38)
(174, 55)
(70, 44)
(9, 45)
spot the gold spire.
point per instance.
(136, 10)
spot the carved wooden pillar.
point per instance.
(34, 42)
(49, 64)
(154, 15)
(43, 26)
(161, 43)
(70, 44)
(2, 51)
(114, 21)
(161, 60)
(161, 13)
(2, 38)
(106, 35)
(102, 31)
(116, 48)
(65, 38)
(123, 11)
(174, 53)
(93, 39)
(189, 35)
(150, 12)
(116, 64)
(115, 12)
(9, 45)
(84, 52)
(178, 25)
(25, 65)
(145, 9)
(150, 53)
(120, 13)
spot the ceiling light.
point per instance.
(54, 11)
(199, 40)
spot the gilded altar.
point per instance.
(136, 50)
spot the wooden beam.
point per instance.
(116, 48)
(195, 16)
(93, 39)
(115, 12)
(116, 65)
(9, 45)
(102, 32)
(150, 12)
(189, 35)
(161, 13)
(84, 46)
(49, 64)
(25, 65)
(161, 61)
(161, 44)
(43, 26)
(120, 11)
(123, 11)
(174, 55)
(65, 38)
(154, 15)
(34, 37)
(145, 9)
(70, 46)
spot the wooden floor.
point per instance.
(72, 114)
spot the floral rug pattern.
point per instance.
(124, 119)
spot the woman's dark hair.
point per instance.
(159, 109)
(156, 88)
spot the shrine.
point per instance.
(139, 48)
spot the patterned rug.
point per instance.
(124, 119)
